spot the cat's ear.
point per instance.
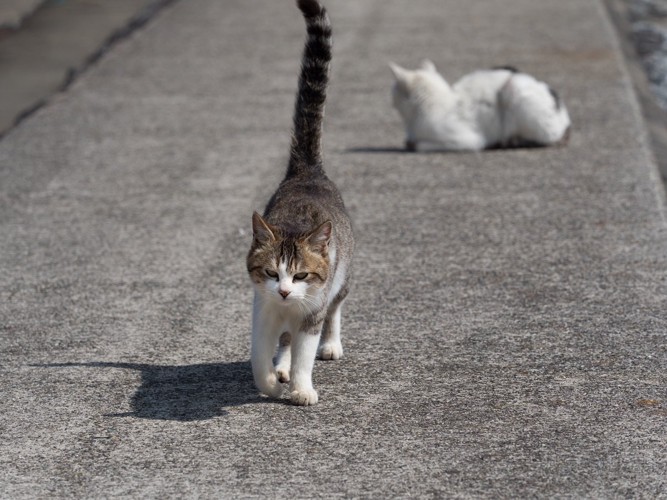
(428, 65)
(402, 75)
(403, 79)
(261, 230)
(319, 238)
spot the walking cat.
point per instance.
(500, 107)
(300, 256)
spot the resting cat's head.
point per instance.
(289, 269)
(413, 88)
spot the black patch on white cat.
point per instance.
(511, 69)
(556, 97)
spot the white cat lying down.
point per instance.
(485, 109)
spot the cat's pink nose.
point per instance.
(284, 293)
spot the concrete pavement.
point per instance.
(505, 334)
(642, 64)
(56, 43)
(13, 12)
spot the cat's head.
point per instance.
(289, 269)
(412, 88)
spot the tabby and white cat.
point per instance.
(500, 107)
(300, 256)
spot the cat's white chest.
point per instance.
(275, 315)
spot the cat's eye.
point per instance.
(300, 276)
(271, 274)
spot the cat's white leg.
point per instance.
(465, 139)
(264, 340)
(330, 345)
(304, 349)
(284, 357)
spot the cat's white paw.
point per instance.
(304, 397)
(331, 351)
(283, 374)
(271, 386)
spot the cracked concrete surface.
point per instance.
(505, 334)
(13, 12)
(55, 44)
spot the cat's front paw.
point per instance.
(331, 351)
(270, 386)
(304, 397)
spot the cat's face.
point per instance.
(290, 271)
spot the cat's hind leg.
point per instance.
(331, 347)
(284, 357)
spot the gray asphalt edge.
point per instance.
(137, 22)
(652, 117)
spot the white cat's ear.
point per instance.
(261, 230)
(428, 65)
(402, 75)
(319, 238)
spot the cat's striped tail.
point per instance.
(306, 148)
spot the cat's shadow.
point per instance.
(398, 150)
(377, 150)
(439, 151)
(185, 392)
